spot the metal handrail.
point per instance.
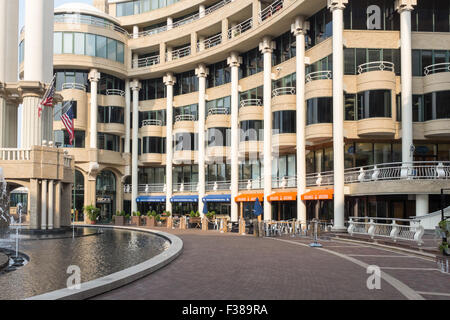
(284, 91)
(284, 182)
(185, 187)
(78, 19)
(240, 28)
(146, 62)
(115, 92)
(210, 42)
(418, 170)
(76, 86)
(184, 117)
(251, 103)
(436, 68)
(268, 12)
(151, 31)
(151, 122)
(319, 75)
(251, 184)
(376, 66)
(152, 188)
(180, 53)
(218, 185)
(214, 111)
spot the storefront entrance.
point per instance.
(106, 195)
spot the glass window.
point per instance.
(350, 107)
(112, 49)
(101, 47)
(79, 43)
(436, 105)
(443, 152)
(284, 122)
(382, 153)
(57, 42)
(68, 43)
(252, 130)
(120, 52)
(90, 44)
(319, 110)
(364, 154)
(374, 104)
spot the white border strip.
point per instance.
(113, 281)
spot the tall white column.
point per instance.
(266, 47)
(51, 204)
(12, 49)
(201, 10)
(404, 7)
(299, 29)
(127, 116)
(234, 61)
(169, 23)
(94, 78)
(38, 66)
(3, 38)
(135, 87)
(422, 204)
(44, 205)
(202, 73)
(135, 32)
(169, 81)
(337, 8)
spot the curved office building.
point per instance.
(326, 109)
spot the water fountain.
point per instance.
(4, 204)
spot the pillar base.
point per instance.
(339, 229)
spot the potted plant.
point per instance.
(119, 219)
(150, 218)
(127, 218)
(211, 215)
(443, 231)
(136, 219)
(194, 218)
(92, 213)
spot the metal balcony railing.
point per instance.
(209, 42)
(284, 91)
(251, 103)
(240, 28)
(185, 187)
(218, 185)
(251, 184)
(115, 92)
(151, 122)
(180, 53)
(437, 68)
(284, 182)
(218, 111)
(319, 75)
(376, 66)
(184, 117)
(146, 62)
(79, 19)
(418, 170)
(76, 86)
(269, 11)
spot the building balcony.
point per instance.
(152, 128)
(146, 62)
(437, 128)
(251, 184)
(376, 75)
(151, 158)
(284, 182)
(112, 128)
(218, 117)
(271, 10)
(376, 127)
(319, 84)
(185, 187)
(210, 42)
(250, 147)
(437, 77)
(284, 142)
(213, 186)
(74, 86)
(240, 28)
(184, 156)
(217, 153)
(319, 131)
(284, 99)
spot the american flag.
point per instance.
(47, 101)
(67, 120)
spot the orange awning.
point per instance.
(283, 196)
(250, 197)
(318, 195)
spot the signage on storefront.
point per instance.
(373, 17)
(104, 200)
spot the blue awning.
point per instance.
(151, 199)
(217, 198)
(184, 199)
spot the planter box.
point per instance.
(136, 221)
(119, 221)
(149, 221)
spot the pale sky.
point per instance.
(21, 22)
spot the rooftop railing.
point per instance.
(376, 66)
(319, 75)
(269, 11)
(437, 68)
(240, 28)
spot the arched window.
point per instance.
(106, 181)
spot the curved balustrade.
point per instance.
(151, 122)
(76, 86)
(393, 230)
(437, 68)
(240, 28)
(184, 117)
(146, 62)
(218, 111)
(84, 19)
(376, 66)
(283, 91)
(209, 42)
(115, 92)
(269, 11)
(426, 170)
(319, 75)
(251, 103)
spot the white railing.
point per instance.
(151, 188)
(78, 19)
(12, 154)
(319, 75)
(185, 187)
(396, 229)
(269, 11)
(151, 122)
(209, 42)
(240, 28)
(284, 182)
(218, 185)
(146, 62)
(284, 91)
(436, 68)
(76, 86)
(251, 184)
(180, 53)
(218, 111)
(251, 103)
(184, 117)
(419, 170)
(151, 31)
(115, 92)
(376, 66)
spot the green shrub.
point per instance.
(92, 212)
